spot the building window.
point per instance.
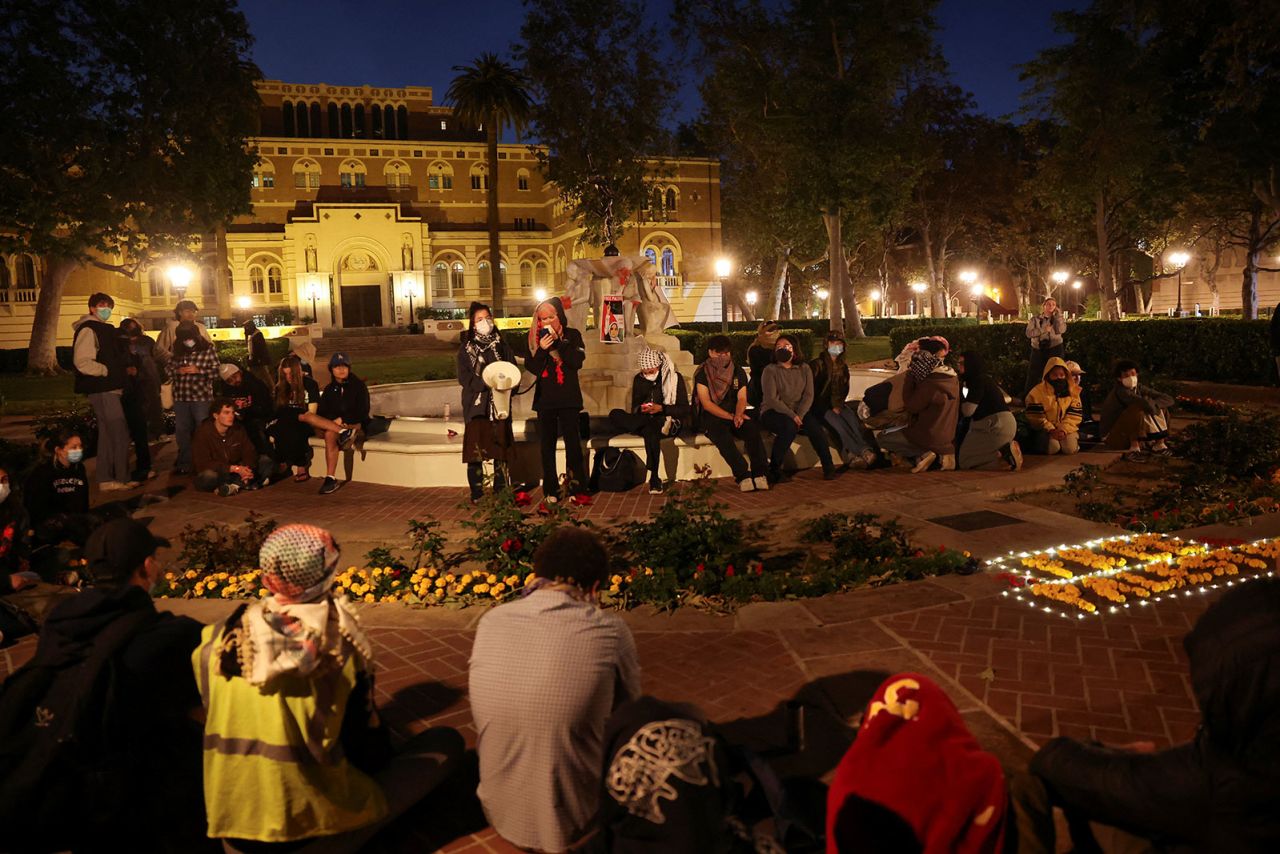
(358, 116)
(157, 281)
(526, 275)
(274, 283)
(486, 277)
(345, 126)
(671, 199)
(375, 122)
(440, 279)
(440, 176)
(522, 180)
(210, 320)
(25, 268)
(255, 280)
(455, 276)
(231, 282)
(316, 130)
(652, 255)
(287, 109)
(306, 174)
(334, 124)
(668, 262)
(540, 271)
(397, 175)
(353, 174)
(268, 180)
(402, 123)
(444, 125)
(304, 123)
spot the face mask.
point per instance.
(1129, 382)
(836, 352)
(720, 361)
(4, 492)
(484, 327)
(190, 342)
(650, 376)
(104, 314)
(782, 355)
(76, 455)
(1061, 388)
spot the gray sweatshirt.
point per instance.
(787, 390)
(1050, 329)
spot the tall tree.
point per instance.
(493, 95)
(600, 90)
(128, 134)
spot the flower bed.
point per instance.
(1109, 575)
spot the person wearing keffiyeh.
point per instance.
(931, 395)
(659, 405)
(484, 437)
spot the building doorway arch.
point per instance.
(363, 284)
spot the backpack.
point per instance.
(616, 470)
(57, 757)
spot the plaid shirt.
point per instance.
(193, 387)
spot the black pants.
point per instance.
(648, 427)
(1039, 358)
(291, 436)
(209, 480)
(555, 424)
(722, 434)
(135, 416)
(784, 432)
(257, 430)
(475, 478)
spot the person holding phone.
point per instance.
(659, 403)
(556, 354)
(1045, 331)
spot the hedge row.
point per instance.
(1213, 349)
(871, 326)
(696, 342)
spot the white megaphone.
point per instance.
(502, 377)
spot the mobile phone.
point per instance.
(544, 332)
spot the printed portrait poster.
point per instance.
(611, 320)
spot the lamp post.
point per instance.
(876, 303)
(179, 279)
(1059, 278)
(1179, 259)
(1076, 286)
(723, 268)
(970, 277)
(313, 290)
(752, 297)
(410, 290)
(540, 294)
(919, 288)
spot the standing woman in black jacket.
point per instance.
(556, 354)
(484, 437)
(659, 402)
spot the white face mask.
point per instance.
(650, 376)
(484, 326)
(4, 492)
(1130, 381)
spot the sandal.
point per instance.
(302, 477)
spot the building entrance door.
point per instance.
(361, 305)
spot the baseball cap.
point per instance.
(115, 550)
(338, 359)
(1074, 368)
(226, 369)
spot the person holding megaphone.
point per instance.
(487, 374)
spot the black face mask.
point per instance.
(782, 355)
(1061, 388)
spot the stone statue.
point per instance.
(406, 253)
(632, 278)
(312, 266)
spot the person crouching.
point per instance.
(224, 454)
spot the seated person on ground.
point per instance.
(1089, 430)
(291, 677)
(931, 395)
(720, 394)
(57, 492)
(1217, 792)
(225, 458)
(138, 752)
(830, 393)
(1135, 417)
(297, 397)
(788, 408)
(659, 405)
(15, 574)
(252, 400)
(341, 417)
(903, 359)
(1054, 412)
(986, 424)
(547, 670)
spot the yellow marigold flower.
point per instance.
(499, 587)
(190, 575)
(262, 593)
(449, 577)
(432, 573)
(492, 579)
(440, 582)
(648, 571)
(480, 588)
(227, 593)
(466, 579)
(614, 588)
(369, 597)
(528, 579)
(615, 579)
(496, 593)
(511, 580)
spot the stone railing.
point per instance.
(18, 296)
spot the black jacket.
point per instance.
(109, 353)
(51, 489)
(980, 390)
(348, 401)
(1220, 791)
(475, 394)
(251, 398)
(259, 355)
(645, 391)
(558, 389)
(758, 358)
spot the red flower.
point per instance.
(1012, 579)
(506, 545)
(517, 544)
(1231, 505)
(942, 549)
(759, 569)
(523, 499)
(728, 572)
(1155, 514)
(699, 568)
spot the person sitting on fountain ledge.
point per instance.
(341, 416)
(556, 354)
(720, 388)
(788, 408)
(659, 402)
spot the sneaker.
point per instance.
(923, 462)
(1015, 456)
(345, 438)
(948, 462)
(251, 486)
(1162, 451)
(228, 489)
(111, 486)
(869, 458)
(751, 485)
(762, 484)
(1134, 457)
(655, 487)
(829, 474)
(329, 486)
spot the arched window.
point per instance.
(24, 269)
(352, 174)
(375, 122)
(668, 262)
(486, 277)
(358, 117)
(402, 123)
(479, 177)
(440, 279)
(439, 176)
(397, 174)
(540, 274)
(389, 122)
(526, 275)
(346, 122)
(208, 281)
(522, 179)
(264, 175)
(335, 127)
(670, 202)
(306, 174)
(156, 280)
(316, 130)
(455, 277)
(652, 255)
(287, 109)
(275, 282)
(231, 282)
(256, 280)
(4, 273)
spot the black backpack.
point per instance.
(616, 470)
(61, 772)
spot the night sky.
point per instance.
(417, 42)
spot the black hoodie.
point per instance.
(557, 386)
(1221, 791)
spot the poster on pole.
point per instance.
(611, 325)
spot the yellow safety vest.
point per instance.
(273, 764)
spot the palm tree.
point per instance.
(493, 95)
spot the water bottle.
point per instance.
(447, 407)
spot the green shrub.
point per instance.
(872, 326)
(216, 547)
(689, 536)
(238, 351)
(16, 458)
(1237, 446)
(740, 342)
(14, 361)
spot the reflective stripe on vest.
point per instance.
(274, 752)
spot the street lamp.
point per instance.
(823, 293)
(411, 290)
(540, 295)
(1076, 286)
(244, 302)
(179, 278)
(876, 304)
(313, 290)
(752, 296)
(1179, 259)
(724, 267)
(919, 288)
(968, 276)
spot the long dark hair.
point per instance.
(188, 331)
(292, 391)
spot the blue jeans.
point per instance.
(187, 416)
(849, 429)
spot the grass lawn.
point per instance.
(407, 369)
(868, 349)
(24, 395)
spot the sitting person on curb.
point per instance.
(15, 571)
(988, 427)
(931, 396)
(547, 670)
(225, 458)
(56, 492)
(830, 402)
(103, 713)
(788, 408)
(1217, 792)
(1054, 412)
(252, 400)
(1135, 417)
(291, 734)
(659, 402)
(297, 396)
(341, 417)
(720, 392)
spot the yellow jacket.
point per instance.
(274, 770)
(1046, 411)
